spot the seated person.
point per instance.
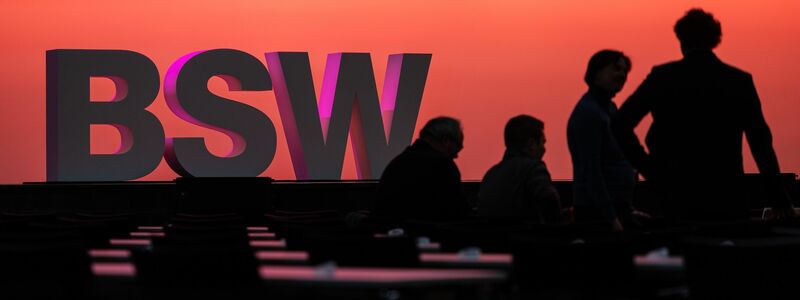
(520, 185)
(423, 181)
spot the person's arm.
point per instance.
(758, 134)
(759, 138)
(588, 133)
(544, 194)
(638, 105)
(455, 191)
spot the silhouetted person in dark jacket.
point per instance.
(700, 108)
(603, 180)
(424, 181)
(520, 185)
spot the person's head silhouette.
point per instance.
(525, 134)
(607, 71)
(698, 30)
(445, 135)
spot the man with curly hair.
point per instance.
(701, 108)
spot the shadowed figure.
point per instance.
(424, 181)
(520, 185)
(604, 181)
(701, 107)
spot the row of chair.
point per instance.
(212, 255)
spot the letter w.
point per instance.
(317, 134)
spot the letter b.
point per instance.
(70, 114)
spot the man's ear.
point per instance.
(530, 146)
(532, 143)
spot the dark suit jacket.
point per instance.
(421, 183)
(701, 107)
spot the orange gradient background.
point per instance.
(492, 60)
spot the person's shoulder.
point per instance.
(585, 100)
(402, 156)
(537, 170)
(492, 172)
(436, 162)
(586, 103)
(586, 109)
(538, 164)
(530, 164)
(402, 160)
(735, 71)
(667, 67)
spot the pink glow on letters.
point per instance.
(170, 85)
(288, 119)
(126, 138)
(171, 96)
(121, 88)
(328, 93)
(389, 94)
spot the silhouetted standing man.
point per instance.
(700, 108)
